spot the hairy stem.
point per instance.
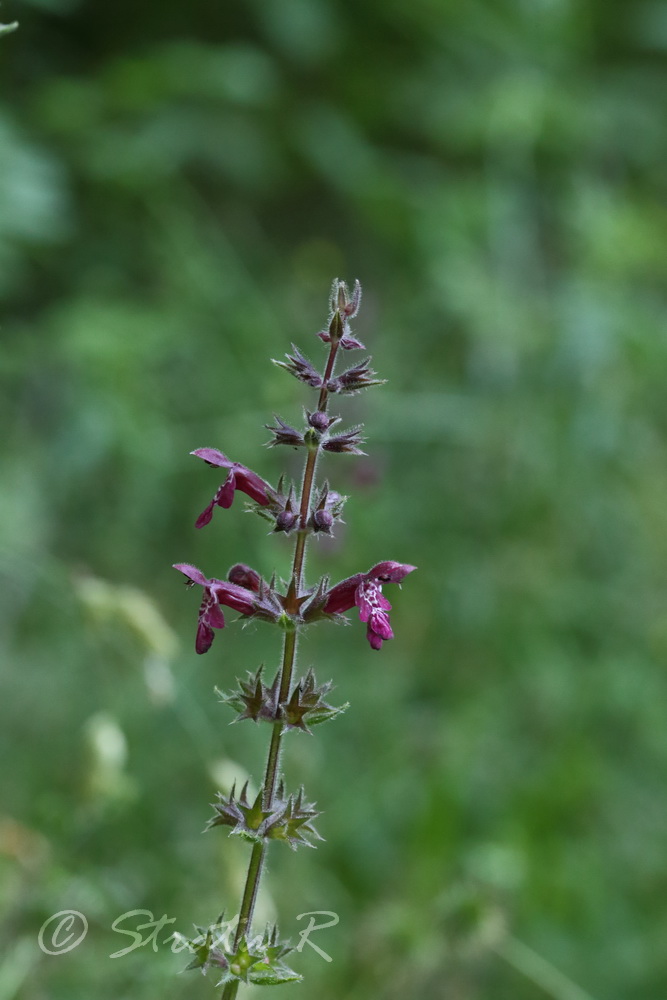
(230, 990)
(287, 670)
(274, 749)
(328, 372)
(250, 892)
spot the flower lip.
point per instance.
(365, 591)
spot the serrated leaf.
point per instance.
(234, 701)
(325, 715)
(273, 975)
(247, 835)
(263, 512)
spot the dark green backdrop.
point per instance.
(179, 183)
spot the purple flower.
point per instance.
(216, 592)
(238, 478)
(365, 591)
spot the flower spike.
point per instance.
(304, 507)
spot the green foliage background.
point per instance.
(179, 183)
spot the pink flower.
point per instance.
(216, 592)
(238, 478)
(365, 591)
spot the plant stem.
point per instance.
(230, 990)
(258, 854)
(309, 476)
(274, 749)
(250, 891)
(328, 372)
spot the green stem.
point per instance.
(287, 670)
(230, 990)
(250, 892)
(289, 656)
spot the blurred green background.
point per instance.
(179, 184)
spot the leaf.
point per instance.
(325, 714)
(264, 974)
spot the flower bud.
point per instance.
(322, 521)
(341, 301)
(336, 328)
(343, 308)
(286, 520)
(320, 421)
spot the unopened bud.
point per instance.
(336, 329)
(322, 521)
(320, 421)
(342, 302)
(344, 307)
(286, 520)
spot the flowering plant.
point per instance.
(286, 703)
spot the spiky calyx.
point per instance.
(258, 961)
(304, 707)
(282, 508)
(289, 819)
(300, 367)
(284, 433)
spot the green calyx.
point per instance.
(258, 961)
(288, 819)
(305, 706)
